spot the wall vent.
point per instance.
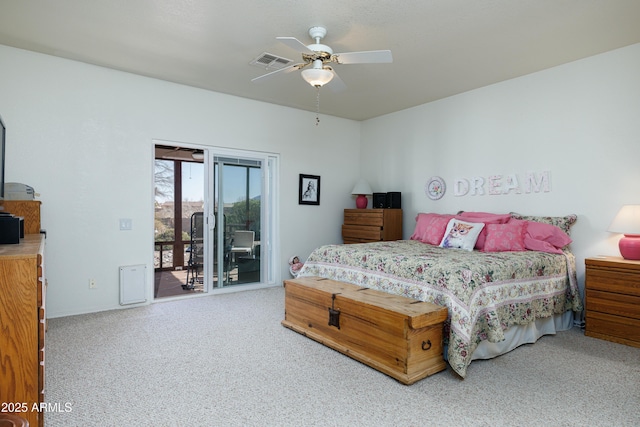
(271, 61)
(133, 284)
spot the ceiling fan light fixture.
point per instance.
(317, 77)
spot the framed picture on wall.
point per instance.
(309, 190)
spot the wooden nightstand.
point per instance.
(612, 294)
(371, 225)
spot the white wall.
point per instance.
(82, 137)
(580, 121)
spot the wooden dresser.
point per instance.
(371, 225)
(22, 317)
(612, 299)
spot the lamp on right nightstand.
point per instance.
(627, 222)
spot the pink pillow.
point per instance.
(548, 233)
(543, 237)
(495, 218)
(505, 237)
(486, 218)
(540, 245)
(430, 227)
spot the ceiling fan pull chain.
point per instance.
(317, 105)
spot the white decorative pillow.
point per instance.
(461, 234)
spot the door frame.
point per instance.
(270, 221)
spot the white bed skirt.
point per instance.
(516, 336)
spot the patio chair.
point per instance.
(243, 242)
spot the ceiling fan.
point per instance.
(317, 57)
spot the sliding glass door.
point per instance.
(238, 185)
(228, 235)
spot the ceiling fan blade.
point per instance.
(284, 70)
(295, 44)
(336, 84)
(367, 57)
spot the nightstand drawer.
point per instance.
(613, 328)
(612, 303)
(613, 280)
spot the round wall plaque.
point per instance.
(435, 188)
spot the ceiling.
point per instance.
(185, 154)
(440, 47)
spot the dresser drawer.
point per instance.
(361, 232)
(373, 218)
(41, 376)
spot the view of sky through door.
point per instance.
(193, 190)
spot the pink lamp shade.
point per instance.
(627, 222)
(362, 190)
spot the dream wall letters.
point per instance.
(495, 185)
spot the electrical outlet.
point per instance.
(92, 284)
(126, 224)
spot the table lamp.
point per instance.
(627, 222)
(362, 190)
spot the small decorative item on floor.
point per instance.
(294, 266)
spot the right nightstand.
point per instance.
(612, 299)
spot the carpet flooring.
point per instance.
(225, 360)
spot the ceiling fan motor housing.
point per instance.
(317, 33)
(323, 52)
(324, 56)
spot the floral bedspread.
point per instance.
(485, 292)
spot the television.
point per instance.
(3, 135)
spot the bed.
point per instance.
(497, 299)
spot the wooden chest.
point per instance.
(398, 336)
